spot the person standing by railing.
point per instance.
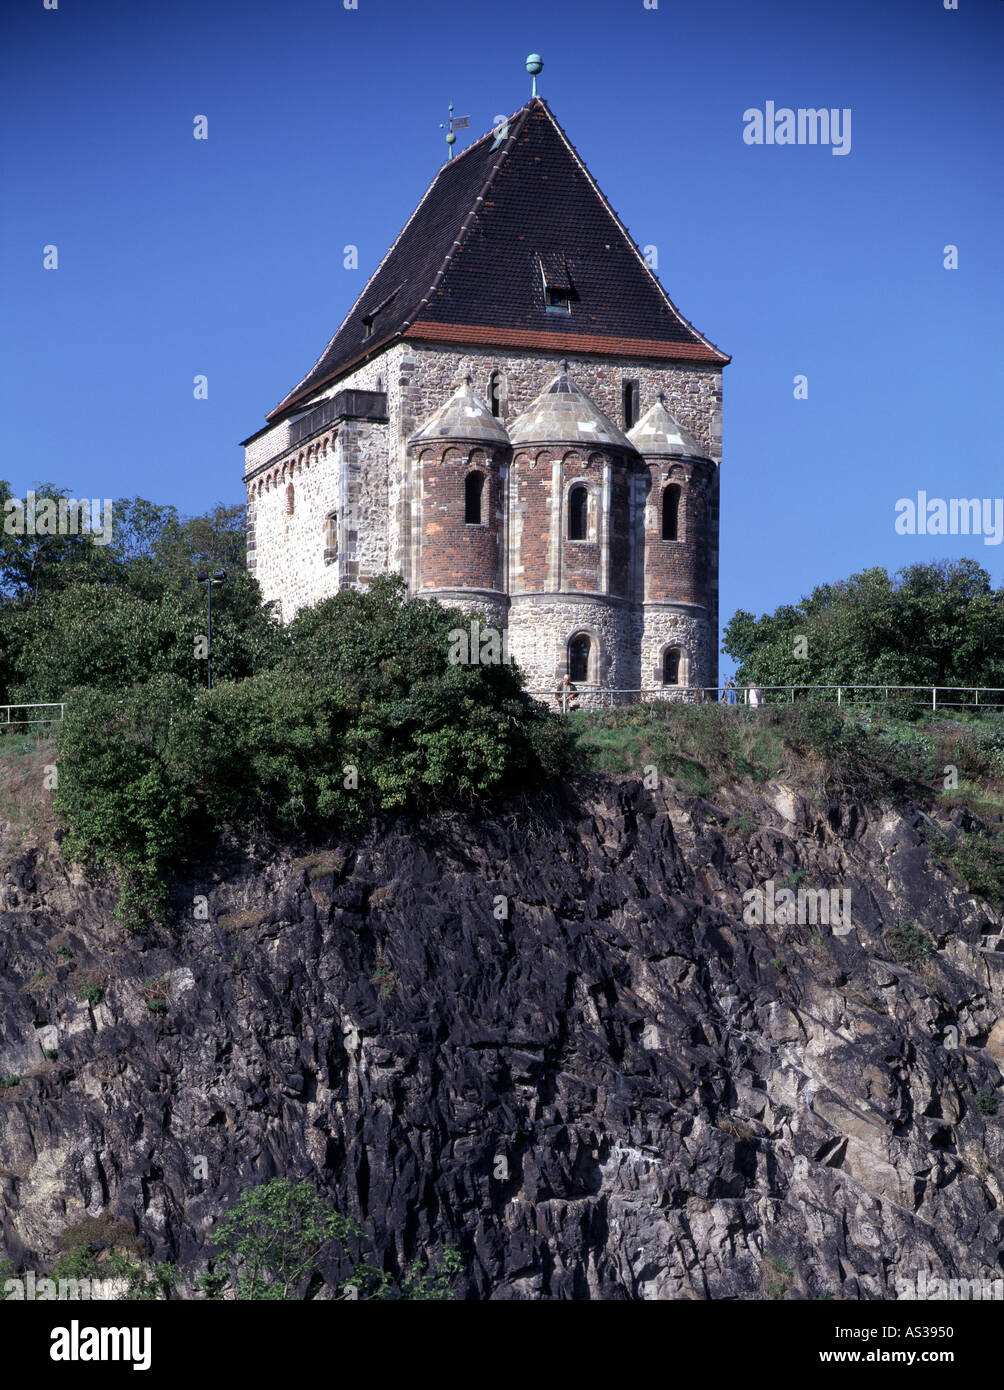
(729, 692)
(567, 695)
(754, 695)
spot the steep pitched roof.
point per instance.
(496, 224)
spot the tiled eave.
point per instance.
(587, 343)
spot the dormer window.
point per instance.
(558, 288)
(368, 318)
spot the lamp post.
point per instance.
(204, 577)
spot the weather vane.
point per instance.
(455, 123)
(533, 65)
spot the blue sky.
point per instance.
(223, 257)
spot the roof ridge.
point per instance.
(515, 125)
(452, 163)
(290, 397)
(624, 231)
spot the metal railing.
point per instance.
(980, 699)
(7, 718)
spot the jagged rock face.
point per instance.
(547, 1036)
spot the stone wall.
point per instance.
(689, 629)
(541, 625)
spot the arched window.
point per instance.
(330, 538)
(578, 657)
(670, 512)
(290, 499)
(497, 391)
(577, 504)
(672, 666)
(474, 485)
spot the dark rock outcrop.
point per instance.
(545, 1035)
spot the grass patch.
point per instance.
(25, 802)
(908, 944)
(810, 744)
(326, 861)
(246, 920)
(977, 859)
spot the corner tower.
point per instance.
(459, 470)
(679, 637)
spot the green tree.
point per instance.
(46, 557)
(934, 624)
(270, 1243)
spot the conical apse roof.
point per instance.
(464, 416)
(564, 414)
(658, 432)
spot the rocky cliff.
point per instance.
(546, 1035)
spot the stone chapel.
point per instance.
(516, 418)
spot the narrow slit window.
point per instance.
(497, 393)
(671, 512)
(474, 486)
(330, 538)
(290, 499)
(578, 500)
(630, 402)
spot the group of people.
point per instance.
(730, 693)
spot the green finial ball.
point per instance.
(534, 64)
(451, 139)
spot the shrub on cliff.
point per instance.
(366, 714)
(269, 1245)
(128, 800)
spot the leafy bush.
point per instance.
(270, 1243)
(365, 715)
(102, 1247)
(978, 859)
(909, 944)
(986, 1102)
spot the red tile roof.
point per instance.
(582, 342)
